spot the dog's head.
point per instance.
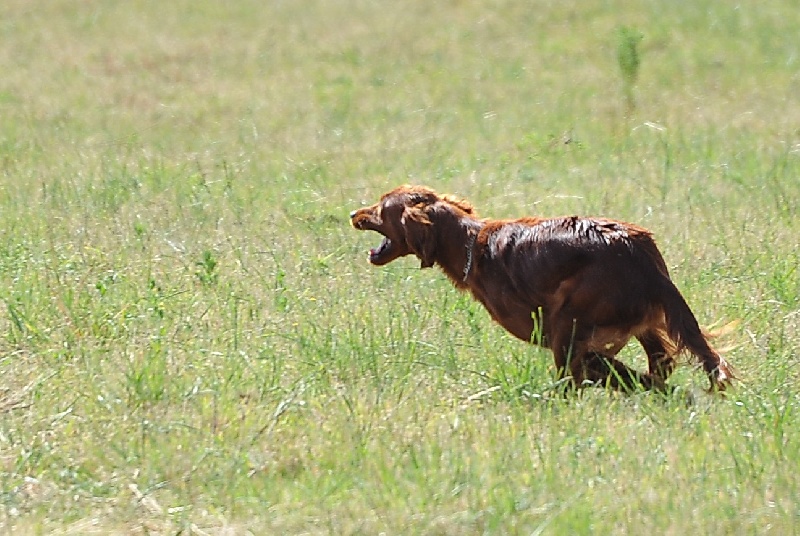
(405, 217)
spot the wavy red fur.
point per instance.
(596, 283)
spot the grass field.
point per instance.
(192, 340)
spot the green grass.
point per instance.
(192, 341)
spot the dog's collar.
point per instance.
(470, 247)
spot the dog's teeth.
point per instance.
(378, 250)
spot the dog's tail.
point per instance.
(683, 329)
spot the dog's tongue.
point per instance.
(376, 251)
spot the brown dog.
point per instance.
(587, 284)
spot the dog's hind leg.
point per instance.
(660, 361)
(608, 371)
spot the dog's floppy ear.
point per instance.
(419, 235)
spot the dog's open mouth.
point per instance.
(375, 254)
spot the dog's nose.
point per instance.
(353, 214)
